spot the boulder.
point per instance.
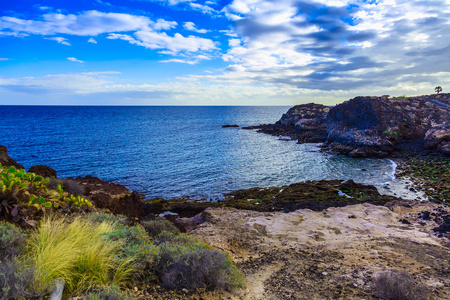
(7, 161)
(114, 197)
(43, 170)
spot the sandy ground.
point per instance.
(333, 254)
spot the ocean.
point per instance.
(173, 151)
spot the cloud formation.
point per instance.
(334, 45)
(73, 59)
(289, 48)
(60, 40)
(145, 32)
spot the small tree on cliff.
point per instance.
(438, 89)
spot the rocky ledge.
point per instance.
(370, 126)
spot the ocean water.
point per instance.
(173, 151)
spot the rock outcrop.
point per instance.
(114, 197)
(305, 123)
(370, 126)
(373, 126)
(7, 161)
(43, 170)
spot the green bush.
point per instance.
(25, 194)
(108, 293)
(12, 240)
(184, 262)
(136, 244)
(155, 227)
(16, 280)
(99, 218)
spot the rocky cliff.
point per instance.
(370, 126)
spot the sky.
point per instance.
(216, 52)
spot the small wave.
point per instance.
(394, 168)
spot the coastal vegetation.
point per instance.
(98, 254)
(26, 197)
(49, 233)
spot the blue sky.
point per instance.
(238, 52)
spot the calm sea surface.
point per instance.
(172, 151)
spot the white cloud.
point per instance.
(160, 40)
(162, 24)
(182, 61)
(89, 23)
(75, 60)
(145, 32)
(60, 40)
(4, 59)
(191, 27)
(327, 44)
(203, 8)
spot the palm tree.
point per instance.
(438, 89)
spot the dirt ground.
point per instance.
(333, 254)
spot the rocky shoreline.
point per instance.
(369, 126)
(327, 239)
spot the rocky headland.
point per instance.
(370, 126)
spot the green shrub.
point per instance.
(155, 227)
(16, 280)
(398, 285)
(184, 262)
(78, 252)
(98, 218)
(108, 293)
(12, 240)
(200, 268)
(136, 243)
(25, 194)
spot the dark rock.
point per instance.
(114, 197)
(370, 126)
(426, 216)
(7, 161)
(254, 127)
(230, 126)
(305, 123)
(43, 171)
(314, 195)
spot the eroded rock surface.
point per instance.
(333, 254)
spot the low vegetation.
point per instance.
(99, 254)
(398, 285)
(26, 197)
